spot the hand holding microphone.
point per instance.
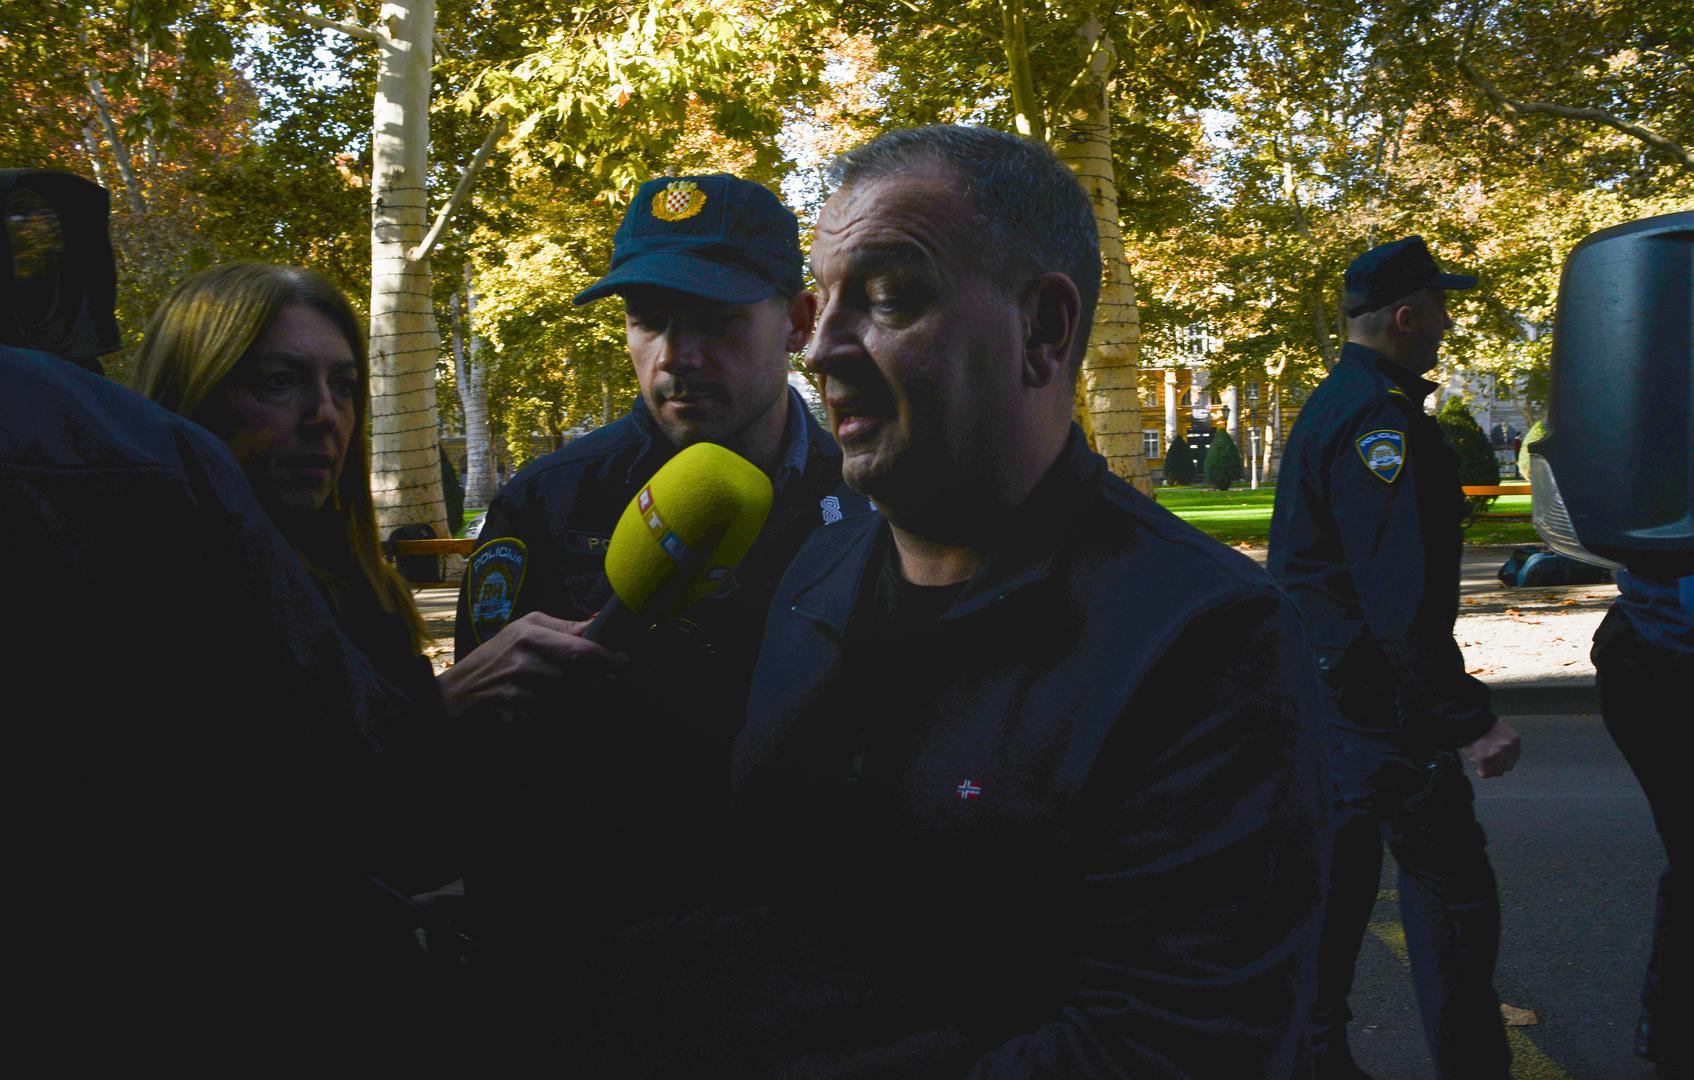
(675, 544)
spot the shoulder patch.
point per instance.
(1398, 391)
(1384, 453)
(494, 575)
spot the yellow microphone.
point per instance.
(680, 537)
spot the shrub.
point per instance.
(452, 494)
(1477, 464)
(1223, 461)
(1179, 462)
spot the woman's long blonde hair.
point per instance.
(201, 332)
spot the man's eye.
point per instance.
(893, 303)
(345, 386)
(275, 381)
(713, 323)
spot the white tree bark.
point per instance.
(480, 484)
(405, 453)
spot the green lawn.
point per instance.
(1241, 516)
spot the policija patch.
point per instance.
(496, 574)
(1383, 452)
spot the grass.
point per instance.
(469, 515)
(1242, 516)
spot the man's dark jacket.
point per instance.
(1075, 827)
(1371, 556)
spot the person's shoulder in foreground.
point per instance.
(200, 722)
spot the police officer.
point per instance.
(603, 795)
(1366, 539)
(710, 272)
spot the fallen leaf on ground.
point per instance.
(1567, 601)
(1478, 671)
(1517, 616)
(1516, 1017)
(1469, 600)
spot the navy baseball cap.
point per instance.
(714, 236)
(1390, 272)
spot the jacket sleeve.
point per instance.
(1201, 903)
(1399, 532)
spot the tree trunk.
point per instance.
(1082, 136)
(405, 457)
(472, 378)
(120, 149)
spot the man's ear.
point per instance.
(802, 317)
(1404, 319)
(1052, 322)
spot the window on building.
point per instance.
(1196, 339)
(1152, 385)
(1150, 446)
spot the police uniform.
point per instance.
(608, 803)
(546, 535)
(1366, 538)
(1070, 822)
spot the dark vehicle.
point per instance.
(1614, 475)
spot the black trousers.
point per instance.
(1449, 905)
(1636, 680)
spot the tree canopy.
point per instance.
(1254, 149)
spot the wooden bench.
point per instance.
(429, 548)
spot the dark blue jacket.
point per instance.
(1368, 547)
(1075, 827)
(203, 772)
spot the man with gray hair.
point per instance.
(1030, 784)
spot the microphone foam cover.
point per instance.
(704, 495)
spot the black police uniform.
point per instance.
(204, 774)
(1069, 822)
(1366, 538)
(608, 805)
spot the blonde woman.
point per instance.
(271, 359)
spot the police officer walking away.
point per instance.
(1366, 539)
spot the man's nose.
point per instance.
(679, 346)
(832, 339)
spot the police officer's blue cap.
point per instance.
(1391, 272)
(723, 238)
